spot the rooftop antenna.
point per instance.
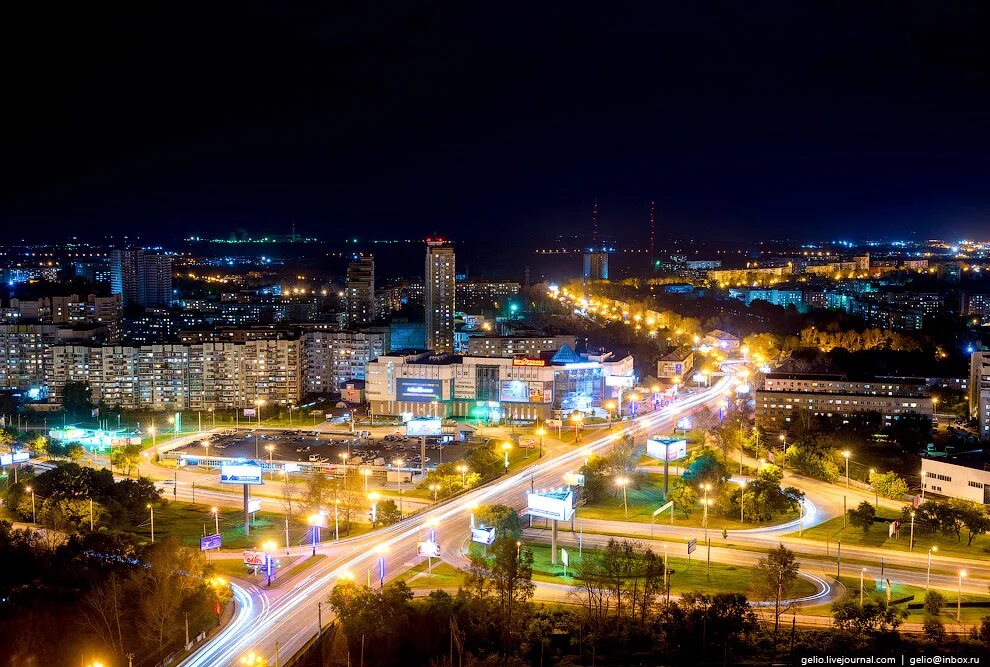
(594, 222)
(653, 228)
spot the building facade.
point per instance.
(961, 477)
(483, 387)
(334, 358)
(141, 278)
(360, 291)
(439, 295)
(836, 396)
(510, 346)
(675, 364)
(595, 265)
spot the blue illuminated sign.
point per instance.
(210, 542)
(418, 391)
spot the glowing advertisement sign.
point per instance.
(254, 505)
(210, 542)
(528, 361)
(418, 391)
(416, 428)
(429, 549)
(240, 473)
(521, 391)
(557, 505)
(483, 535)
(669, 449)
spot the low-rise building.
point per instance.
(835, 395)
(532, 387)
(675, 364)
(965, 477)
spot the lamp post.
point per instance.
(610, 406)
(463, 470)
(623, 482)
(260, 402)
(706, 487)
(911, 541)
(268, 548)
(541, 432)
(398, 481)
(151, 508)
(576, 418)
(271, 466)
(845, 455)
(506, 446)
(314, 526)
(216, 519)
(34, 512)
(152, 430)
(783, 450)
(876, 494)
(433, 488)
(381, 550)
(472, 508)
(962, 573)
(742, 497)
(373, 497)
(861, 573)
(366, 474)
(928, 575)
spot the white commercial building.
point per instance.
(958, 477)
(535, 387)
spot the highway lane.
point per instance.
(289, 616)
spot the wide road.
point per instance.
(289, 616)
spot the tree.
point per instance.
(388, 512)
(169, 574)
(319, 491)
(934, 630)
(934, 601)
(888, 485)
(705, 468)
(512, 579)
(76, 400)
(486, 460)
(596, 484)
(871, 617)
(864, 516)
(684, 497)
(973, 517)
(126, 458)
(776, 574)
(506, 521)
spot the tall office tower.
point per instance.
(596, 265)
(141, 278)
(361, 291)
(439, 296)
(979, 390)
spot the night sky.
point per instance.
(498, 121)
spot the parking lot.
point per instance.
(310, 446)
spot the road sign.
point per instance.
(254, 505)
(692, 545)
(564, 557)
(664, 508)
(210, 542)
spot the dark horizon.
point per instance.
(807, 122)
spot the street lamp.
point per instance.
(876, 494)
(366, 473)
(472, 507)
(911, 541)
(34, 513)
(861, 573)
(271, 466)
(962, 573)
(314, 526)
(152, 430)
(506, 446)
(541, 432)
(398, 480)
(742, 497)
(151, 508)
(216, 519)
(610, 406)
(373, 497)
(463, 470)
(623, 482)
(268, 548)
(252, 659)
(260, 402)
(381, 550)
(433, 488)
(845, 455)
(706, 487)
(576, 418)
(928, 576)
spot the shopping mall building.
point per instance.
(547, 386)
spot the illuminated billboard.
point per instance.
(669, 449)
(240, 473)
(521, 391)
(418, 391)
(416, 428)
(557, 504)
(528, 361)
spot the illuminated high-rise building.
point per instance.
(439, 296)
(360, 291)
